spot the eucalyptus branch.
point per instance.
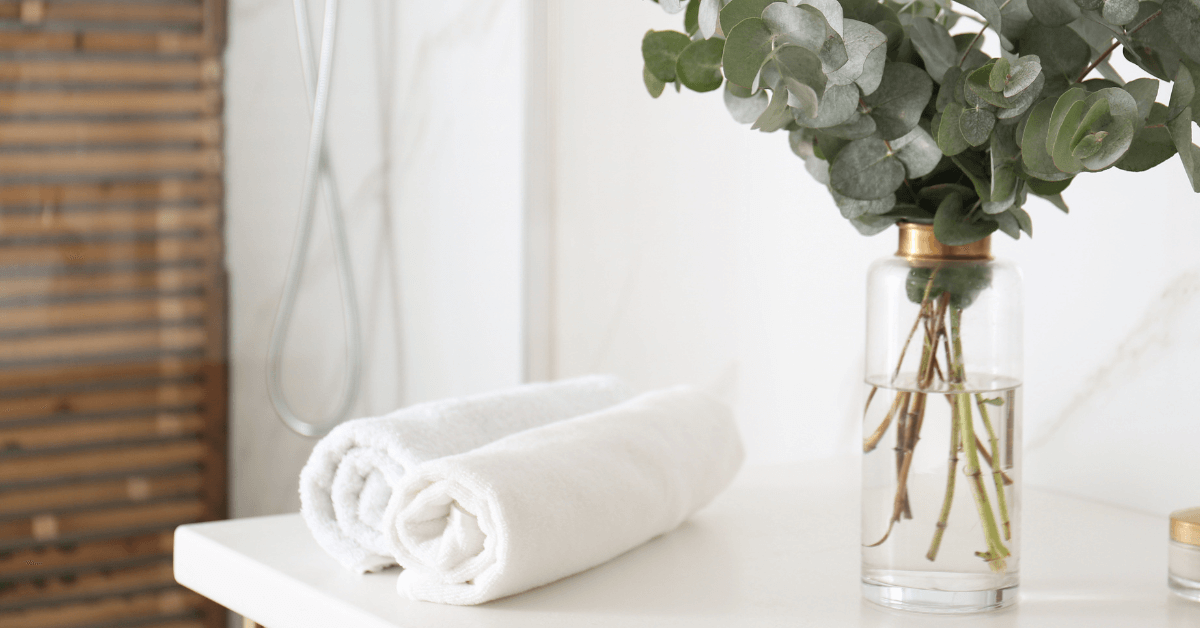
(1104, 55)
(951, 477)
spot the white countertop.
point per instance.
(779, 548)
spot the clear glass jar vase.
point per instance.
(941, 498)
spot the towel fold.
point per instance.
(347, 483)
(546, 503)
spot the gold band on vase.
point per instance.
(1185, 526)
(917, 243)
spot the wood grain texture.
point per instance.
(172, 601)
(110, 102)
(56, 556)
(129, 489)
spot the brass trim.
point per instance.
(1185, 526)
(917, 243)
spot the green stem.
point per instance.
(996, 551)
(997, 477)
(951, 477)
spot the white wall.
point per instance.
(425, 129)
(691, 249)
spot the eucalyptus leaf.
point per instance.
(671, 6)
(935, 46)
(799, 65)
(660, 50)
(918, 152)
(1181, 135)
(1182, 21)
(973, 165)
(990, 11)
(745, 110)
(776, 115)
(1063, 135)
(838, 105)
(1023, 219)
(1057, 201)
(806, 27)
(831, 9)
(653, 85)
(1054, 12)
(708, 17)
(1008, 224)
(869, 224)
(1062, 52)
(853, 208)
(946, 93)
(1021, 75)
(857, 127)
(900, 99)
(866, 54)
(1035, 143)
(736, 11)
(1047, 188)
(976, 125)
(1120, 12)
(1152, 145)
(691, 17)
(746, 49)
(802, 99)
(952, 227)
(950, 137)
(866, 170)
(1144, 91)
(1183, 93)
(699, 65)
(1153, 48)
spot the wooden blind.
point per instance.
(112, 312)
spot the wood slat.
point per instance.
(73, 315)
(48, 527)
(68, 377)
(88, 584)
(184, 14)
(122, 220)
(204, 189)
(131, 489)
(197, 102)
(55, 435)
(68, 72)
(164, 42)
(48, 164)
(108, 460)
(204, 131)
(86, 253)
(97, 344)
(86, 555)
(146, 396)
(171, 602)
(91, 284)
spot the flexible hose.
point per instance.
(316, 174)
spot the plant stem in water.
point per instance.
(951, 477)
(1001, 502)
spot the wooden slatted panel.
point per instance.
(112, 300)
(89, 555)
(169, 602)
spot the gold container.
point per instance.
(918, 244)
(1183, 554)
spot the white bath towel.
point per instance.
(348, 480)
(549, 502)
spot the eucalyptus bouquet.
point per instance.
(904, 121)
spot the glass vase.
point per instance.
(941, 481)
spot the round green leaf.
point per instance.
(1182, 21)
(699, 65)
(853, 208)
(1034, 142)
(660, 50)
(949, 137)
(976, 125)
(900, 99)
(866, 54)
(745, 109)
(691, 17)
(1120, 12)
(1063, 53)
(1054, 12)
(830, 9)
(737, 11)
(746, 48)
(1021, 75)
(653, 85)
(918, 152)
(708, 16)
(1151, 145)
(838, 105)
(776, 115)
(806, 27)
(935, 46)
(952, 227)
(870, 224)
(866, 170)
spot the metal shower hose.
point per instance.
(316, 173)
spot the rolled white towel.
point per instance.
(348, 480)
(546, 503)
